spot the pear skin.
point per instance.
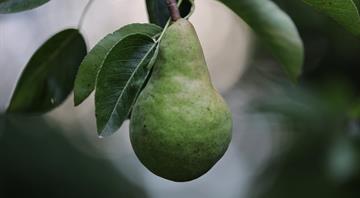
(180, 125)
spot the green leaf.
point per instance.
(91, 65)
(49, 76)
(120, 81)
(275, 28)
(159, 13)
(11, 6)
(344, 12)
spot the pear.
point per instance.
(180, 126)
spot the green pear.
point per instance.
(180, 125)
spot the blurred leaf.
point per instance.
(308, 107)
(38, 161)
(91, 65)
(49, 76)
(342, 159)
(344, 12)
(11, 6)
(315, 156)
(120, 81)
(275, 28)
(159, 14)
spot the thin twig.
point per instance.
(83, 14)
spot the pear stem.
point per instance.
(173, 9)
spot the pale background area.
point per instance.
(226, 41)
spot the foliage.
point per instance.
(126, 67)
(346, 12)
(319, 155)
(275, 28)
(37, 160)
(118, 78)
(49, 76)
(94, 60)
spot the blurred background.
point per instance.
(288, 141)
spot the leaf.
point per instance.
(49, 76)
(275, 29)
(344, 12)
(11, 6)
(120, 81)
(159, 14)
(91, 65)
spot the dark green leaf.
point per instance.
(39, 160)
(344, 12)
(275, 28)
(90, 67)
(49, 76)
(11, 6)
(120, 81)
(159, 13)
(316, 146)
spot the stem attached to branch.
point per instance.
(173, 9)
